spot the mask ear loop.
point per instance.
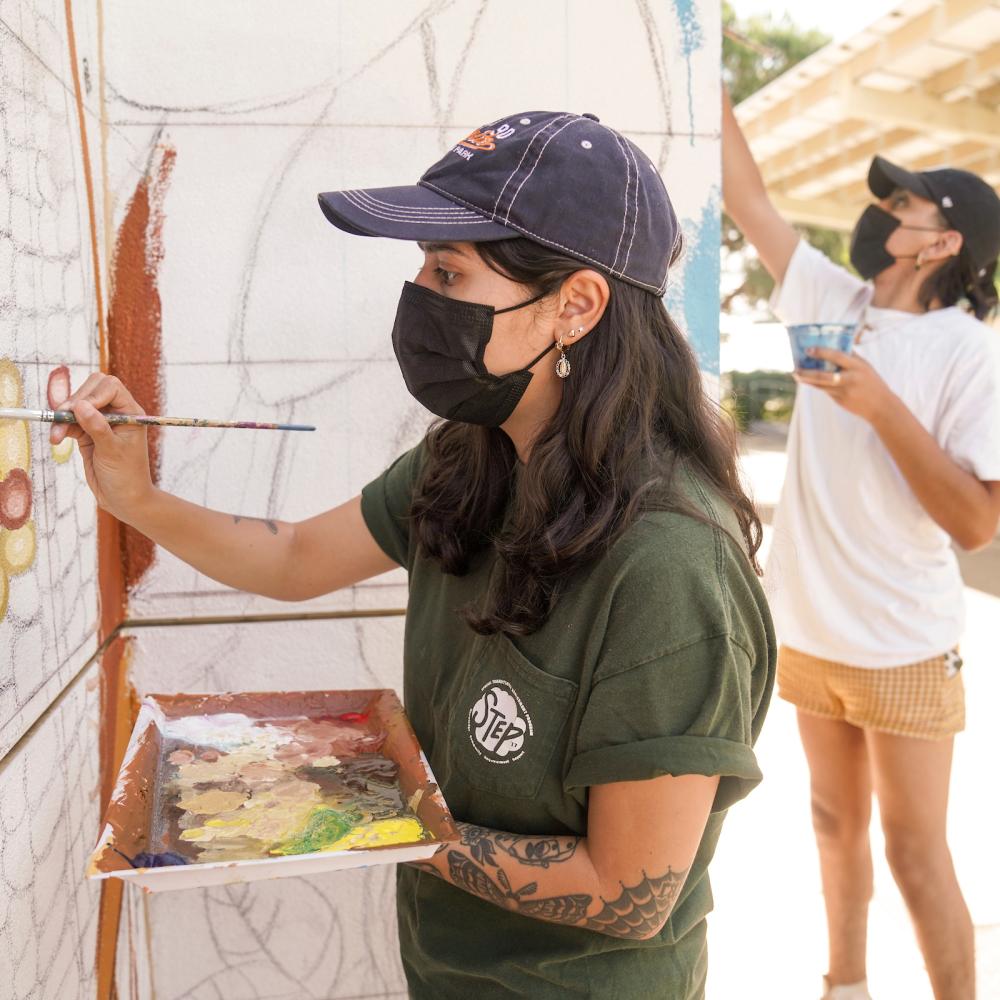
(537, 298)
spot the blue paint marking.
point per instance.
(692, 37)
(698, 297)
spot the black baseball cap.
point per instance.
(561, 179)
(969, 204)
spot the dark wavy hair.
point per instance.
(631, 412)
(959, 279)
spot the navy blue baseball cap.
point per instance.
(563, 180)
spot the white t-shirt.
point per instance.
(859, 572)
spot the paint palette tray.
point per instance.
(219, 788)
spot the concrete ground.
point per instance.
(767, 936)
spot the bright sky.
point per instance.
(840, 19)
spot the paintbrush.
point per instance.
(67, 417)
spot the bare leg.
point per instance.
(841, 811)
(911, 781)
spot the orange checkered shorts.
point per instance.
(925, 699)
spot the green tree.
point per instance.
(755, 50)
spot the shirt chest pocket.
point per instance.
(508, 720)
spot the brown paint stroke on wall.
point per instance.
(134, 354)
(134, 326)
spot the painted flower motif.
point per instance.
(58, 390)
(17, 530)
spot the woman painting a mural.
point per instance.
(890, 460)
(588, 653)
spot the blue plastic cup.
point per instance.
(835, 336)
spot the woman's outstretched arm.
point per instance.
(278, 559)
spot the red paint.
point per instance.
(58, 389)
(353, 717)
(15, 499)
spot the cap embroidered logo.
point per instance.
(484, 140)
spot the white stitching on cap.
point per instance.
(538, 160)
(406, 217)
(628, 175)
(362, 192)
(635, 214)
(527, 149)
(659, 289)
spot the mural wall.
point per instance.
(158, 215)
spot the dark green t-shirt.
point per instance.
(658, 659)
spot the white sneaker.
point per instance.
(845, 991)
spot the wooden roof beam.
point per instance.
(919, 112)
(982, 160)
(844, 157)
(964, 73)
(758, 116)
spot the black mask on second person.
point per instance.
(440, 343)
(873, 229)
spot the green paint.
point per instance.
(324, 826)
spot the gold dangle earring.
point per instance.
(563, 366)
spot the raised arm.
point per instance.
(278, 559)
(622, 879)
(746, 199)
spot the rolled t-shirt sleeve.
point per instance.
(816, 290)
(689, 711)
(385, 505)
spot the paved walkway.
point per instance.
(767, 938)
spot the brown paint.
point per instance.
(134, 334)
(119, 708)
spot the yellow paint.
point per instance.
(271, 815)
(63, 451)
(330, 761)
(215, 800)
(17, 548)
(381, 833)
(11, 389)
(15, 446)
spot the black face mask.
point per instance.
(440, 343)
(868, 253)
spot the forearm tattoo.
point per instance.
(641, 909)
(271, 526)
(637, 913)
